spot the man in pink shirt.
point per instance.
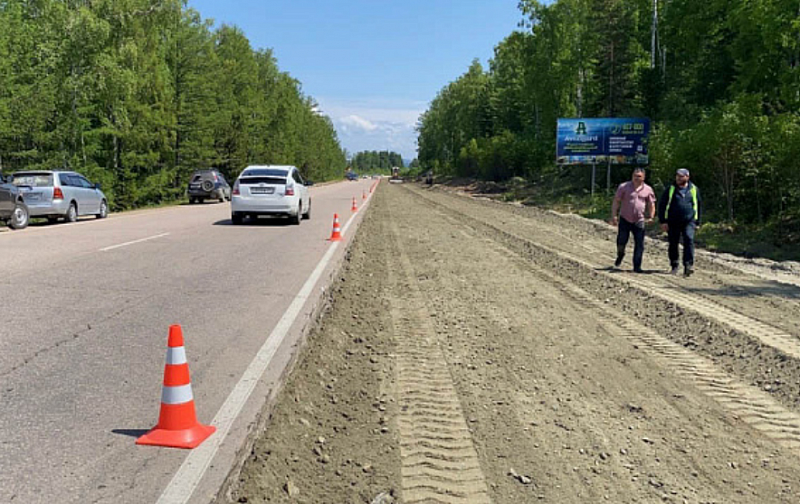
(634, 206)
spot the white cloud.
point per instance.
(375, 124)
(357, 122)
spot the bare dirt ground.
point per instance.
(480, 352)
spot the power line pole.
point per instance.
(653, 36)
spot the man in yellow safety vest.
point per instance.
(679, 212)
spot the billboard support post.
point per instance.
(594, 175)
(608, 177)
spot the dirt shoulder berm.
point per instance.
(479, 352)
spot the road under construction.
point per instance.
(430, 346)
(478, 351)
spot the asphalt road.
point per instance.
(85, 313)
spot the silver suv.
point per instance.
(57, 194)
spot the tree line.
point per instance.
(720, 80)
(137, 94)
(375, 161)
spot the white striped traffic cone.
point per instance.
(177, 423)
(336, 234)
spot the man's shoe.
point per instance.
(618, 262)
(688, 270)
(675, 270)
(638, 270)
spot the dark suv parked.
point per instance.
(208, 184)
(13, 210)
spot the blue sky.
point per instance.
(372, 65)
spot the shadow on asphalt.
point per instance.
(260, 222)
(42, 222)
(204, 202)
(131, 432)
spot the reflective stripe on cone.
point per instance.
(336, 235)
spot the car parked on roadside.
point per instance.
(274, 190)
(60, 194)
(351, 176)
(208, 184)
(13, 210)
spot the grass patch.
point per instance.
(770, 241)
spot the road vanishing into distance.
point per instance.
(469, 351)
(85, 315)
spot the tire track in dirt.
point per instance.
(574, 244)
(685, 297)
(609, 256)
(703, 305)
(744, 402)
(767, 334)
(439, 461)
(752, 406)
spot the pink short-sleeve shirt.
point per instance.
(634, 202)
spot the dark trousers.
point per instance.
(681, 231)
(625, 229)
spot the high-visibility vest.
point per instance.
(692, 191)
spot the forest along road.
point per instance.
(479, 352)
(83, 335)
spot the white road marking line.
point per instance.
(188, 477)
(106, 249)
(350, 220)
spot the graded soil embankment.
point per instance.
(480, 352)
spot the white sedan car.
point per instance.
(270, 190)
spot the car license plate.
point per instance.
(31, 196)
(194, 186)
(262, 190)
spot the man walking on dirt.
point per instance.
(679, 214)
(636, 203)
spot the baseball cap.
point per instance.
(682, 171)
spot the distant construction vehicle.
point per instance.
(395, 178)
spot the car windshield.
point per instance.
(33, 179)
(261, 180)
(265, 172)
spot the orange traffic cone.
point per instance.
(363, 195)
(355, 208)
(177, 423)
(336, 235)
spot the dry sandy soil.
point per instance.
(478, 352)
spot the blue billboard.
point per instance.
(598, 141)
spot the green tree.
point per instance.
(720, 82)
(137, 94)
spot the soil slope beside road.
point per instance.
(480, 352)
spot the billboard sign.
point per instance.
(598, 141)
